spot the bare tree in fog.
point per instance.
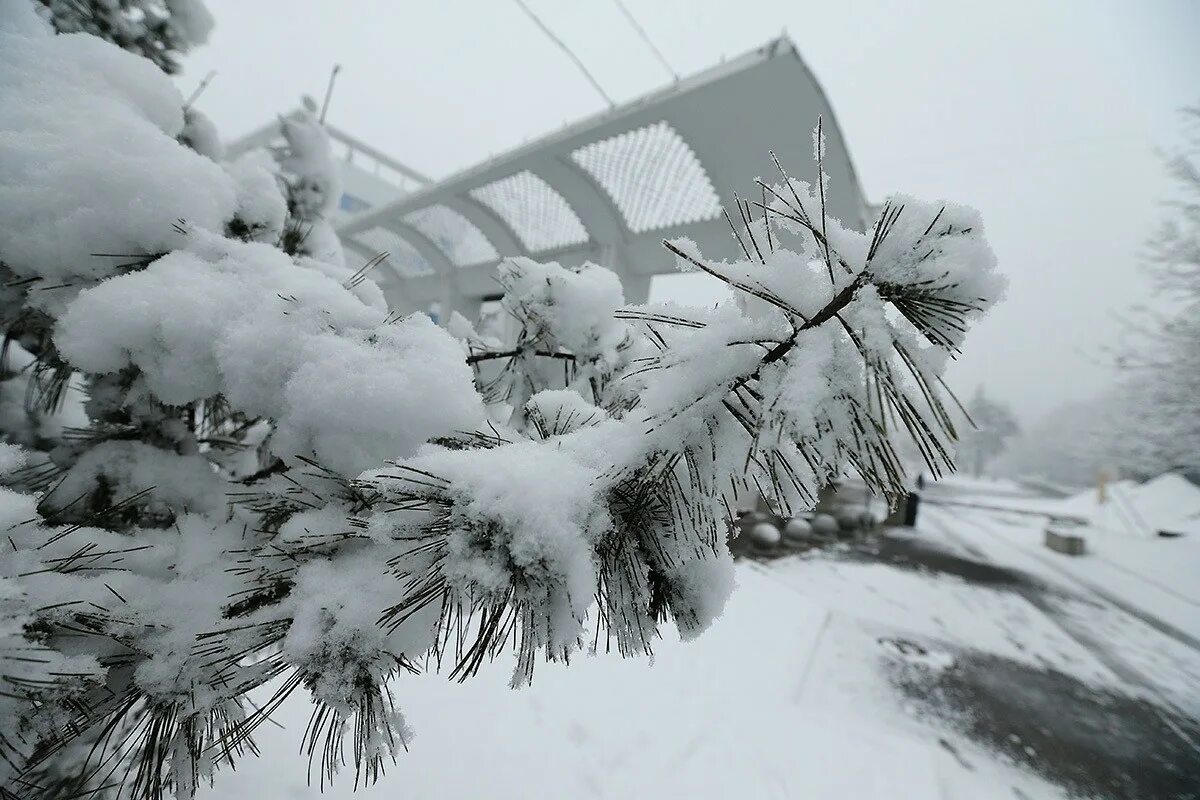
(1163, 361)
(994, 424)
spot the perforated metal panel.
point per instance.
(402, 256)
(452, 233)
(540, 217)
(652, 176)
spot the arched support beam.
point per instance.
(422, 244)
(445, 286)
(495, 229)
(601, 219)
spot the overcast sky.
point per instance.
(1044, 115)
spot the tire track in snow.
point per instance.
(1119, 666)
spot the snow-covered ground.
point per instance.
(798, 690)
(1126, 561)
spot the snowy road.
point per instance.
(1147, 651)
(952, 663)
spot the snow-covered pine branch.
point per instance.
(567, 335)
(313, 184)
(412, 499)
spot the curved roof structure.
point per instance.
(609, 188)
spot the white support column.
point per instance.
(452, 299)
(637, 288)
(469, 308)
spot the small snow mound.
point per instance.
(764, 533)
(797, 530)
(825, 525)
(12, 458)
(1126, 507)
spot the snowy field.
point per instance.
(961, 660)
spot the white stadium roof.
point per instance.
(607, 189)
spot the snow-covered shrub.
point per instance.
(313, 184)
(282, 483)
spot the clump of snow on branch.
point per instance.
(200, 134)
(356, 402)
(243, 321)
(261, 208)
(313, 182)
(127, 469)
(314, 179)
(64, 196)
(571, 309)
(568, 332)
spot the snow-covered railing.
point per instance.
(354, 151)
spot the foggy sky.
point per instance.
(1045, 116)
